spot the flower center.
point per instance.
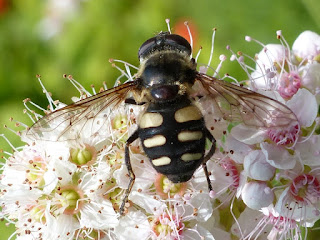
(37, 214)
(283, 136)
(83, 156)
(289, 84)
(35, 172)
(166, 189)
(231, 171)
(113, 194)
(70, 199)
(120, 122)
(119, 125)
(90, 234)
(305, 188)
(115, 158)
(166, 226)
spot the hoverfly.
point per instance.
(171, 128)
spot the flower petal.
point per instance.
(248, 135)
(257, 195)
(304, 105)
(310, 151)
(307, 45)
(278, 156)
(257, 167)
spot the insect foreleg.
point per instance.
(132, 177)
(208, 156)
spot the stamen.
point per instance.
(123, 73)
(232, 78)
(93, 89)
(248, 38)
(212, 46)
(83, 92)
(123, 62)
(198, 54)
(130, 78)
(305, 187)
(168, 25)
(190, 36)
(9, 143)
(239, 60)
(48, 95)
(37, 116)
(222, 58)
(105, 85)
(284, 136)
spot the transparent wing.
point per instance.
(238, 104)
(88, 114)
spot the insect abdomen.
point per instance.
(172, 136)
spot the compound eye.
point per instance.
(162, 41)
(146, 47)
(179, 42)
(164, 93)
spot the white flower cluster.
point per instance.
(73, 189)
(265, 182)
(280, 168)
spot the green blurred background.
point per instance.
(76, 37)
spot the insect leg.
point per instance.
(132, 177)
(208, 156)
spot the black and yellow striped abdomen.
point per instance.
(173, 137)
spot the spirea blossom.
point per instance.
(266, 181)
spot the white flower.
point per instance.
(265, 180)
(300, 200)
(134, 225)
(257, 195)
(237, 150)
(307, 46)
(257, 167)
(311, 79)
(309, 151)
(266, 224)
(305, 107)
(270, 55)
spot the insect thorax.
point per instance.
(168, 67)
